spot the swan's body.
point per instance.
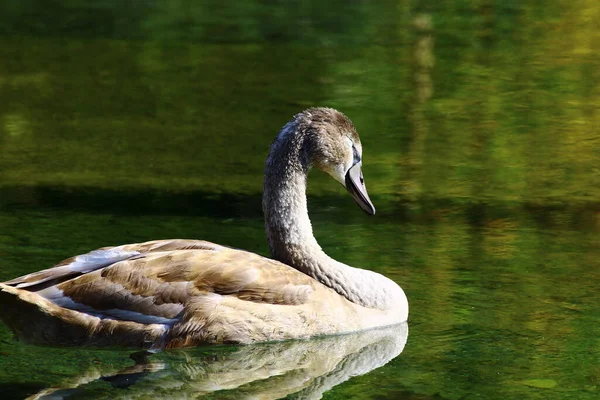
(181, 293)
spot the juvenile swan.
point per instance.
(180, 293)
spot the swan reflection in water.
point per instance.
(302, 368)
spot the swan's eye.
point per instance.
(356, 156)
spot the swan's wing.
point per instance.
(172, 244)
(157, 287)
(73, 266)
(208, 293)
(103, 257)
(173, 277)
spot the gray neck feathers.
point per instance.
(289, 231)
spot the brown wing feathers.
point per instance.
(193, 291)
(177, 276)
(161, 283)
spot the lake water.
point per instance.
(128, 121)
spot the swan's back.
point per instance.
(170, 293)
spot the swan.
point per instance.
(165, 294)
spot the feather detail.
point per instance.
(194, 292)
(73, 266)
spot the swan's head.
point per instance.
(334, 147)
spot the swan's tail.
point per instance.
(36, 320)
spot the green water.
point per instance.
(129, 121)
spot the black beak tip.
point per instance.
(359, 193)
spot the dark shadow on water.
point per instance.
(236, 205)
(132, 201)
(15, 391)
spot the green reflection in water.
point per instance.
(128, 121)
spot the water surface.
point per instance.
(129, 121)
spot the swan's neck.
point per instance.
(289, 230)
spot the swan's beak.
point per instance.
(355, 183)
